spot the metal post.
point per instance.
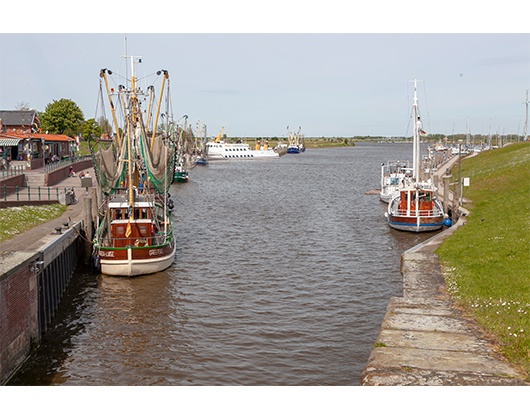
(446, 178)
(459, 178)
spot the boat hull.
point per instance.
(135, 261)
(416, 223)
(181, 177)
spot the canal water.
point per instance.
(283, 272)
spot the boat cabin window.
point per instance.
(117, 214)
(141, 213)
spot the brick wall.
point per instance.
(13, 181)
(18, 318)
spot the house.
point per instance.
(21, 139)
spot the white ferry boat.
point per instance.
(236, 151)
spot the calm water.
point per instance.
(283, 272)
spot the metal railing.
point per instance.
(13, 170)
(50, 167)
(32, 193)
(420, 213)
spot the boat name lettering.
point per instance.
(109, 254)
(156, 252)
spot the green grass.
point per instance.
(486, 262)
(15, 220)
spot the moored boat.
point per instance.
(392, 173)
(217, 149)
(135, 230)
(295, 140)
(180, 174)
(415, 207)
(236, 151)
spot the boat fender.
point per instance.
(170, 204)
(96, 264)
(447, 222)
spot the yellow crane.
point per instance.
(218, 138)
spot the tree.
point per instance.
(22, 106)
(62, 117)
(91, 127)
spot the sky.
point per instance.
(322, 71)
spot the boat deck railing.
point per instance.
(420, 213)
(155, 240)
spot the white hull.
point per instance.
(392, 175)
(130, 267)
(236, 151)
(387, 196)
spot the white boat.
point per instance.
(392, 173)
(415, 208)
(135, 230)
(236, 151)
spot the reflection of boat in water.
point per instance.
(415, 208)
(392, 173)
(135, 232)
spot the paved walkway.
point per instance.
(38, 236)
(425, 340)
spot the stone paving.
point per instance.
(426, 340)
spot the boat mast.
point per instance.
(103, 75)
(155, 122)
(416, 136)
(131, 122)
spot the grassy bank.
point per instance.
(15, 220)
(486, 263)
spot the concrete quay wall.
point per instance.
(31, 286)
(426, 340)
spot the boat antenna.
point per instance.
(125, 56)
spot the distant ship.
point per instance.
(217, 149)
(295, 142)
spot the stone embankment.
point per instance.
(426, 340)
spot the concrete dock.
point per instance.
(426, 340)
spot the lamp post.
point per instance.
(43, 160)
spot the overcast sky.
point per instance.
(257, 84)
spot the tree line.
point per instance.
(64, 116)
